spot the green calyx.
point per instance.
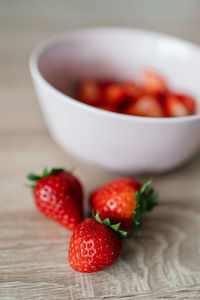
(35, 178)
(115, 227)
(146, 199)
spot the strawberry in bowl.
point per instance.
(112, 119)
(150, 98)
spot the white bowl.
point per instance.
(115, 141)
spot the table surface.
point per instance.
(164, 261)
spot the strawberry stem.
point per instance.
(146, 199)
(115, 227)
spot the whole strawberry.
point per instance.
(58, 195)
(124, 201)
(94, 245)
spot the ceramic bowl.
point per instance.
(118, 142)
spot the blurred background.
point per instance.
(24, 23)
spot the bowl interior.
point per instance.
(120, 54)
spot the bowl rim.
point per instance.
(48, 42)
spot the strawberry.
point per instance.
(175, 107)
(132, 90)
(94, 245)
(58, 195)
(153, 83)
(89, 92)
(114, 94)
(146, 106)
(189, 103)
(124, 201)
(104, 84)
(178, 105)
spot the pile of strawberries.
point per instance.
(150, 98)
(96, 242)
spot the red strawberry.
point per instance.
(177, 105)
(153, 83)
(147, 106)
(89, 92)
(174, 107)
(189, 102)
(133, 91)
(124, 201)
(114, 94)
(58, 195)
(94, 245)
(104, 84)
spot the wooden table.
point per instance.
(165, 261)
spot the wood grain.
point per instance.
(164, 262)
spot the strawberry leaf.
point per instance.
(33, 177)
(107, 222)
(146, 199)
(123, 234)
(114, 227)
(45, 173)
(58, 170)
(97, 218)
